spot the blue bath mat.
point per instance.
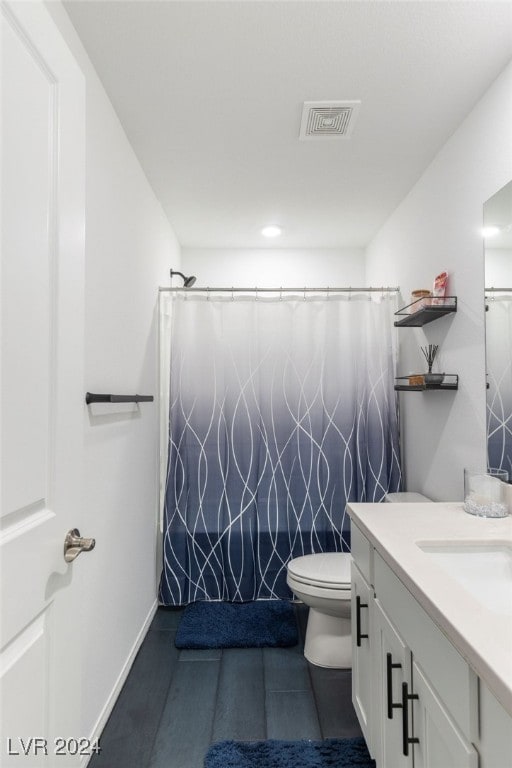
(330, 753)
(259, 624)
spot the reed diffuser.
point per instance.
(429, 353)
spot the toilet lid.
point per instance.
(325, 569)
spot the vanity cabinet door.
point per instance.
(439, 741)
(362, 692)
(495, 742)
(392, 665)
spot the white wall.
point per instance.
(129, 250)
(437, 227)
(275, 267)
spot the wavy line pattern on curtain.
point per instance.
(499, 393)
(281, 411)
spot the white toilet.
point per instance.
(322, 581)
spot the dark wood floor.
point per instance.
(174, 704)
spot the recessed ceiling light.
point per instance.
(271, 231)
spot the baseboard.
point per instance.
(116, 690)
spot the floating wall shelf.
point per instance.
(420, 312)
(450, 381)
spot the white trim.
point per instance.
(116, 690)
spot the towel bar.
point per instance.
(90, 397)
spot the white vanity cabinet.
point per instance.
(392, 668)
(495, 745)
(438, 702)
(439, 740)
(422, 706)
(412, 719)
(362, 691)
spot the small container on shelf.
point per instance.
(440, 287)
(419, 298)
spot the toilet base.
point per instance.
(328, 641)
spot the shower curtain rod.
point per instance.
(255, 289)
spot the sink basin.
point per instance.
(485, 570)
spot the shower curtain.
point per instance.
(281, 410)
(499, 376)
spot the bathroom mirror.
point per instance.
(498, 327)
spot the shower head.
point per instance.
(188, 282)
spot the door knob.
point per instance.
(74, 544)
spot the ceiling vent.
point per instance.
(328, 119)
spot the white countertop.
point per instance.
(481, 635)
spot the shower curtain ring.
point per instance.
(281, 293)
(232, 294)
(207, 293)
(304, 293)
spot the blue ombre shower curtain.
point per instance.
(281, 410)
(499, 376)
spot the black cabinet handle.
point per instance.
(359, 634)
(406, 739)
(389, 680)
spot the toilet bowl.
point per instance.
(322, 582)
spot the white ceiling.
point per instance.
(210, 95)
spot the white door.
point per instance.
(42, 392)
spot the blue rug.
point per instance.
(260, 624)
(330, 753)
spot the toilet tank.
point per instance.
(405, 496)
